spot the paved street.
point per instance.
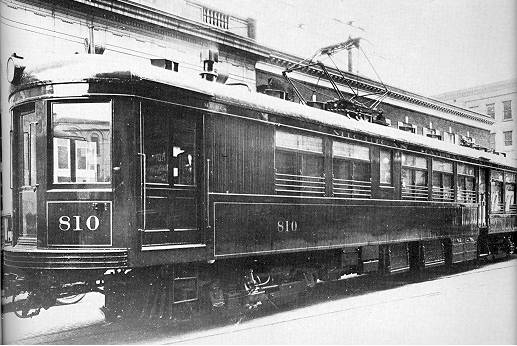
(470, 305)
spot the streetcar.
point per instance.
(172, 194)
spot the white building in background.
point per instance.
(497, 101)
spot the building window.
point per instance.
(299, 164)
(490, 110)
(443, 180)
(351, 170)
(507, 110)
(449, 137)
(466, 183)
(491, 141)
(385, 167)
(507, 138)
(414, 177)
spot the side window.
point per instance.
(466, 183)
(299, 164)
(443, 180)
(496, 187)
(81, 138)
(385, 163)
(510, 202)
(351, 170)
(414, 177)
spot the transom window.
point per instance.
(81, 138)
(299, 164)
(351, 170)
(414, 177)
(443, 178)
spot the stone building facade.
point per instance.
(496, 101)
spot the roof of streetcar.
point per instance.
(89, 67)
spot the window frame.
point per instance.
(437, 190)
(51, 149)
(510, 181)
(497, 180)
(507, 111)
(292, 184)
(465, 195)
(390, 154)
(175, 113)
(508, 142)
(491, 107)
(417, 191)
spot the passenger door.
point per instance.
(170, 154)
(482, 198)
(27, 123)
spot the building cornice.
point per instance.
(166, 20)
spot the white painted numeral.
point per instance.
(92, 223)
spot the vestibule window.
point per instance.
(509, 197)
(81, 142)
(414, 177)
(443, 180)
(385, 167)
(496, 186)
(299, 164)
(466, 183)
(351, 170)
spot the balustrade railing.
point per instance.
(216, 18)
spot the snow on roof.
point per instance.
(89, 67)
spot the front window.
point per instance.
(81, 142)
